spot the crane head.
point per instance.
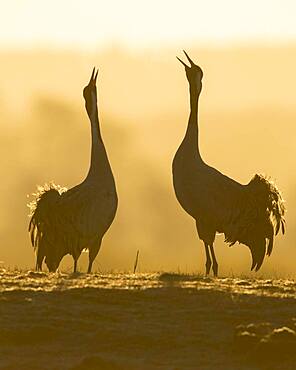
(194, 73)
(90, 93)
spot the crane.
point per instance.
(250, 214)
(69, 221)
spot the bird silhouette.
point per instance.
(68, 221)
(249, 214)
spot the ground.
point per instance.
(145, 321)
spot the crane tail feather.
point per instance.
(283, 222)
(277, 228)
(270, 245)
(260, 258)
(253, 263)
(258, 252)
(41, 209)
(256, 218)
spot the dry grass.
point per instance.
(145, 321)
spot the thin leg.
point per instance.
(39, 261)
(93, 251)
(37, 267)
(215, 263)
(208, 261)
(75, 265)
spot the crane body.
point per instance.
(250, 214)
(69, 221)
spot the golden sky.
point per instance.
(142, 23)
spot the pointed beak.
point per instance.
(184, 64)
(189, 59)
(94, 75)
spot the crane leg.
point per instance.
(208, 261)
(215, 263)
(92, 254)
(75, 265)
(37, 266)
(39, 261)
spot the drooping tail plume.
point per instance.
(41, 207)
(269, 195)
(270, 200)
(257, 218)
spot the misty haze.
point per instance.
(246, 126)
(157, 310)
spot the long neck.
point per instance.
(99, 164)
(191, 136)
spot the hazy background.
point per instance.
(247, 116)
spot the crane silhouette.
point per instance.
(249, 214)
(68, 221)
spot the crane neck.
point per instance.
(99, 164)
(192, 133)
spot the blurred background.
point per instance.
(247, 117)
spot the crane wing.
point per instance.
(86, 211)
(70, 220)
(250, 214)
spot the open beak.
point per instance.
(94, 75)
(189, 59)
(184, 64)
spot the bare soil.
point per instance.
(145, 321)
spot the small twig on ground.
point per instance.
(136, 262)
